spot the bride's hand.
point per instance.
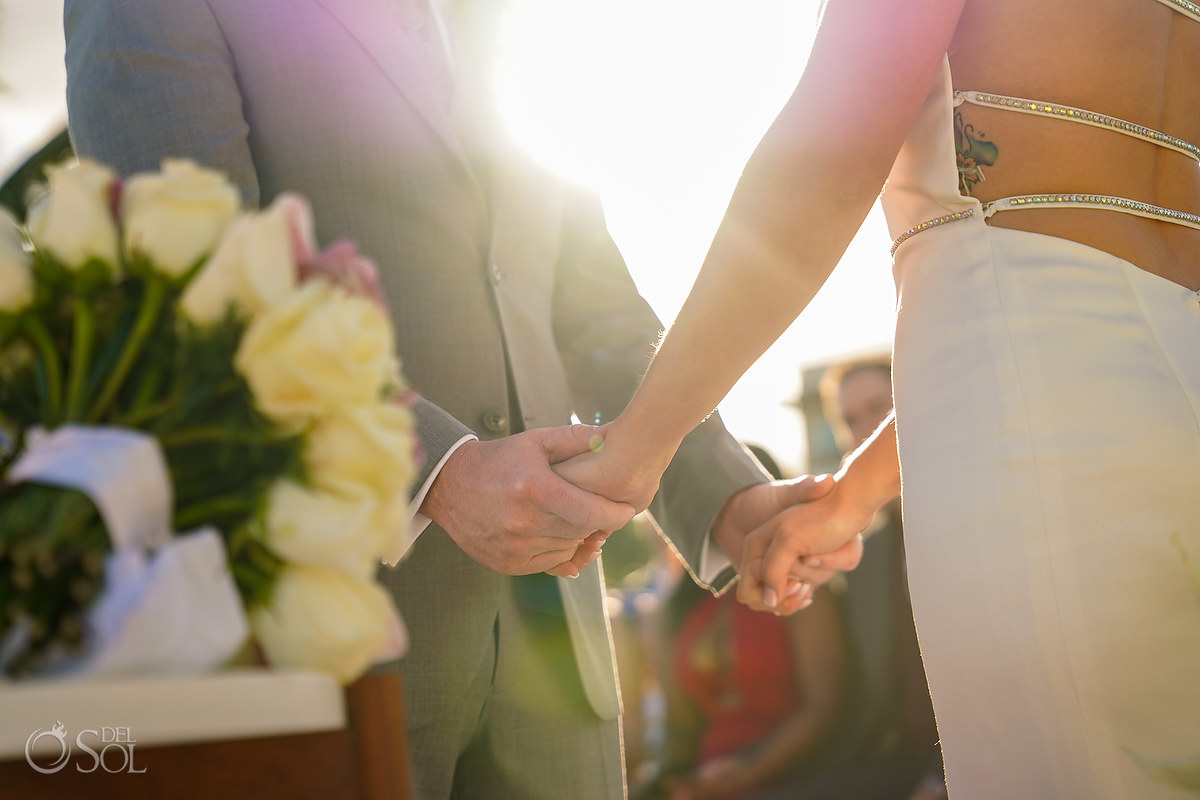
(603, 471)
(817, 534)
(607, 471)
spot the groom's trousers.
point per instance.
(503, 714)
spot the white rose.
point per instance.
(338, 529)
(175, 217)
(73, 222)
(392, 520)
(16, 277)
(326, 620)
(370, 446)
(253, 268)
(318, 351)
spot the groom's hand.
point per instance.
(507, 509)
(753, 507)
(805, 542)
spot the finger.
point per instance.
(815, 576)
(579, 508)
(550, 560)
(525, 555)
(569, 441)
(793, 605)
(750, 587)
(808, 488)
(798, 596)
(587, 552)
(778, 558)
(843, 559)
(566, 569)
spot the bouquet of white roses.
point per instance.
(263, 374)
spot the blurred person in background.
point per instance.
(886, 747)
(752, 699)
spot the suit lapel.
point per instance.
(376, 26)
(527, 207)
(592, 640)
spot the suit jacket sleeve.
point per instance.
(148, 79)
(606, 333)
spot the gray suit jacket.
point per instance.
(325, 98)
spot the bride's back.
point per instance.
(1136, 60)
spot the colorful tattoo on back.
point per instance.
(974, 152)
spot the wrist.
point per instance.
(644, 456)
(851, 506)
(439, 498)
(725, 533)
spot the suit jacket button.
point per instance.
(495, 421)
(494, 272)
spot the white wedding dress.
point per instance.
(1048, 415)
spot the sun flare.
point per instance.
(656, 105)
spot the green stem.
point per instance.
(8, 329)
(188, 518)
(152, 303)
(147, 391)
(143, 413)
(214, 433)
(81, 357)
(41, 339)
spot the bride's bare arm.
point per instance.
(802, 196)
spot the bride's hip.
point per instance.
(1013, 346)
(1166, 249)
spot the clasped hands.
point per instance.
(545, 500)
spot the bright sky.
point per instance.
(655, 104)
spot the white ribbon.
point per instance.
(122, 471)
(169, 603)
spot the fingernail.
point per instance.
(794, 589)
(595, 554)
(770, 600)
(812, 562)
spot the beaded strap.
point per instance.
(1090, 201)
(1080, 115)
(1184, 7)
(1102, 201)
(933, 223)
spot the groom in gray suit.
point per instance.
(513, 310)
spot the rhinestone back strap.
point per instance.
(1092, 201)
(1184, 7)
(1084, 116)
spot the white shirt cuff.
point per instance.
(418, 522)
(712, 560)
